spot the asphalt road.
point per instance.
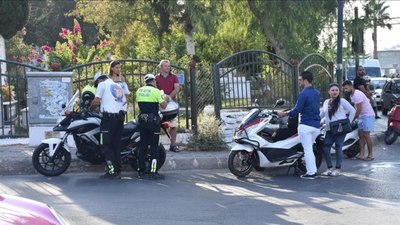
(367, 193)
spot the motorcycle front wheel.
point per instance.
(317, 149)
(162, 155)
(240, 163)
(50, 166)
(390, 136)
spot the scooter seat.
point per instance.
(283, 133)
(354, 126)
(130, 128)
(269, 130)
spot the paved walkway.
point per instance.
(15, 159)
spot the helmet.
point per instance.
(149, 77)
(367, 78)
(99, 75)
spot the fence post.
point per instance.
(295, 64)
(193, 106)
(217, 91)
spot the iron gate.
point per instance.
(243, 77)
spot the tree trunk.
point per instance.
(3, 66)
(266, 24)
(375, 39)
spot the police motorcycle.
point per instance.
(263, 139)
(53, 156)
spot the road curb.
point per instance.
(184, 160)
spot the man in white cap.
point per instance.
(110, 99)
(149, 99)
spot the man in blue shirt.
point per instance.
(309, 128)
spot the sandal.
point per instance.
(369, 158)
(358, 158)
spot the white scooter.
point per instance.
(263, 139)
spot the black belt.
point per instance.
(121, 114)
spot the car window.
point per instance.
(396, 87)
(378, 84)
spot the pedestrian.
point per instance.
(307, 106)
(365, 119)
(114, 73)
(371, 94)
(110, 100)
(149, 99)
(169, 83)
(335, 108)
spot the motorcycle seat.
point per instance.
(130, 128)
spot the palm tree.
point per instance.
(376, 16)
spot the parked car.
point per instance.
(390, 95)
(18, 210)
(377, 84)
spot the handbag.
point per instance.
(340, 126)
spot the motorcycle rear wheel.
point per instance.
(390, 136)
(317, 149)
(162, 155)
(46, 166)
(240, 163)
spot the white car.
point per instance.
(377, 83)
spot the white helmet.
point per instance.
(149, 77)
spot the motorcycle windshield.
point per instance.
(71, 103)
(250, 117)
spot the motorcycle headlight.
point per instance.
(239, 134)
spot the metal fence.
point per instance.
(134, 71)
(13, 99)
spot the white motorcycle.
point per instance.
(263, 139)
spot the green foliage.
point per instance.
(14, 15)
(17, 50)
(209, 137)
(47, 17)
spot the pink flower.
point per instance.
(103, 44)
(96, 58)
(46, 48)
(111, 43)
(74, 59)
(64, 32)
(39, 60)
(77, 27)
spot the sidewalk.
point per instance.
(15, 159)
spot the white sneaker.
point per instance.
(327, 172)
(335, 173)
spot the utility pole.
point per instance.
(339, 57)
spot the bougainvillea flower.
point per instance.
(103, 44)
(77, 27)
(46, 48)
(64, 32)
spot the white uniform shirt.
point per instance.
(344, 108)
(112, 96)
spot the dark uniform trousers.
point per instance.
(149, 126)
(111, 130)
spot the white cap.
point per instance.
(149, 77)
(98, 75)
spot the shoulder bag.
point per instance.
(340, 126)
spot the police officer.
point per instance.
(110, 99)
(149, 99)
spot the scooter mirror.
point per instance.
(279, 102)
